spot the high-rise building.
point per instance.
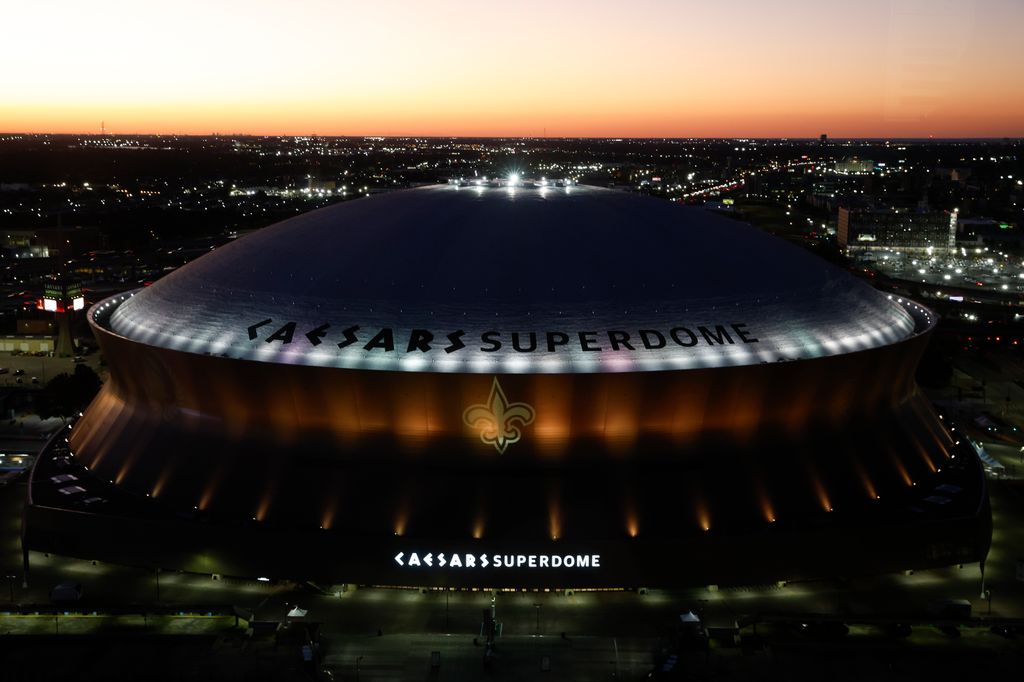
(852, 164)
(896, 230)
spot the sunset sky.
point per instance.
(675, 68)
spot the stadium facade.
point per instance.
(511, 386)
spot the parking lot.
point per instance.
(41, 368)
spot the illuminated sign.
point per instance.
(387, 339)
(476, 561)
(57, 295)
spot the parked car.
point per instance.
(18, 372)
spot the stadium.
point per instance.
(511, 385)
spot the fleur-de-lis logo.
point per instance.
(499, 421)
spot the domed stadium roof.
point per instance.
(510, 279)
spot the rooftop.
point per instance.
(508, 279)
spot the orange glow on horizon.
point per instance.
(603, 69)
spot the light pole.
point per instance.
(10, 585)
(537, 610)
(446, 626)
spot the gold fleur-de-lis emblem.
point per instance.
(499, 421)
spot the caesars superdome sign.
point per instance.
(388, 339)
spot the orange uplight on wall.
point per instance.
(904, 474)
(554, 521)
(264, 506)
(327, 518)
(204, 500)
(160, 483)
(703, 516)
(122, 472)
(400, 522)
(821, 494)
(631, 514)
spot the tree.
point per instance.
(66, 394)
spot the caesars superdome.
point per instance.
(516, 385)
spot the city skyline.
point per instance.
(901, 68)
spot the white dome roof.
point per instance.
(492, 279)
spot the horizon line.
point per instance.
(815, 138)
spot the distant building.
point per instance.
(17, 237)
(16, 187)
(953, 174)
(866, 229)
(24, 251)
(51, 242)
(10, 343)
(827, 201)
(319, 185)
(979, 232)
(35, 327)
(852, 164)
